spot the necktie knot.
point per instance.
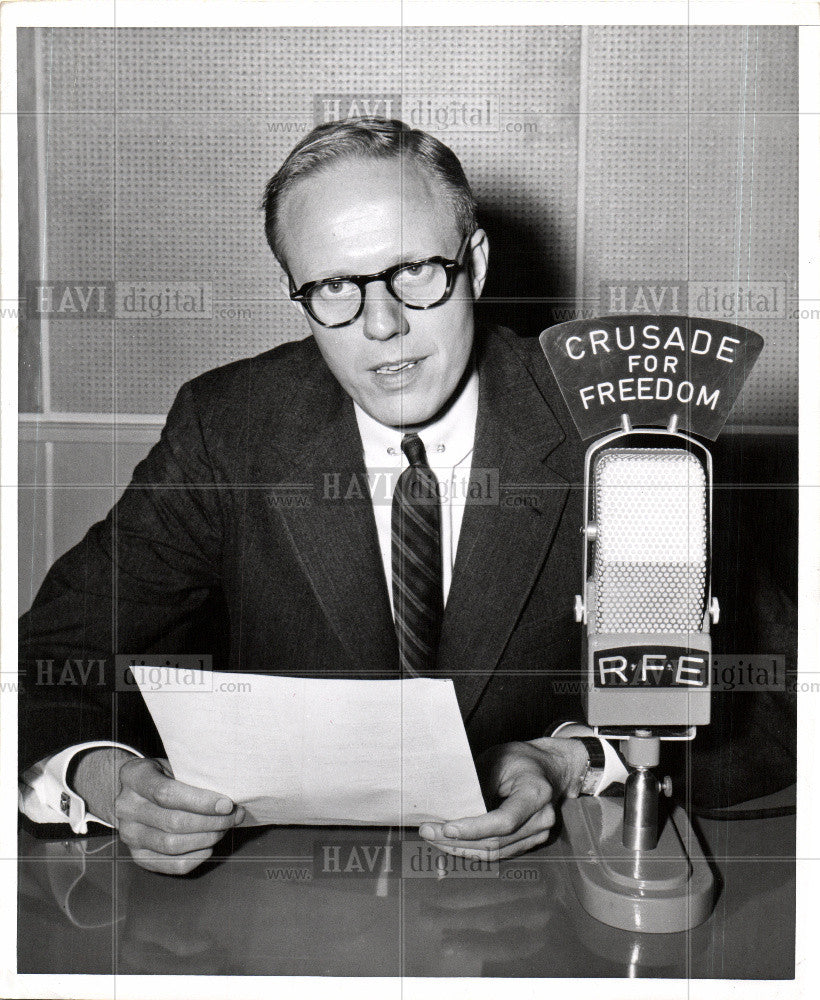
(413, 448)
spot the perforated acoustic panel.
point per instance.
(691, 176)
(743, 230)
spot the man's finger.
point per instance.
(496, 853)
(543, 819)
(178, 821)
(145, 778)
(513, 812)
(166, 865)
(140, 836)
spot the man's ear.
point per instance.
(479, 254)
(284, 284)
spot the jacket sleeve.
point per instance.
(141, 582)
(750, 747)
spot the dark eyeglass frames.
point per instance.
(419, 284)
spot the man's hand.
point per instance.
(526, 779)
(168, 826)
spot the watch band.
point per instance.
(594, 750)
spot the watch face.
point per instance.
(591, 780)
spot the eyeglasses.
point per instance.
(418, 284)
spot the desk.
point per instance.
(280, 903)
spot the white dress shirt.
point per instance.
(448, 443)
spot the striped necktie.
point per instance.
(418, 601)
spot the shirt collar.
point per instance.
(447, 440)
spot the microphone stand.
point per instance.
(631, 866)
(642, 791)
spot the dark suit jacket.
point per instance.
(241, 537)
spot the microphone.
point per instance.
(647, 604)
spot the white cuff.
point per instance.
(44, 795)
(614, 769)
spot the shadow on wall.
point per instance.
(526, 268)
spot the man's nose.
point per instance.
(383, 315)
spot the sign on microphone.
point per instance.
(651, 368)
(646, 665)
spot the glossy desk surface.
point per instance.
(280, 902)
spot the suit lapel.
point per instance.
(334, 533)
(502, 546)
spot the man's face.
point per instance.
(357, 217)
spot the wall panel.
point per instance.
(691, 175)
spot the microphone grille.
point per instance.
(649, 570)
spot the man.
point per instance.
(374, 225)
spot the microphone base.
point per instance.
(660, 891)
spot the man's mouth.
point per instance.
(395, 367)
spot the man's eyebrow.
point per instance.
(404, 258)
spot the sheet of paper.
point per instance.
(313, 751)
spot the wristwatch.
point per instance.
(605, 767)
(595, 764)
